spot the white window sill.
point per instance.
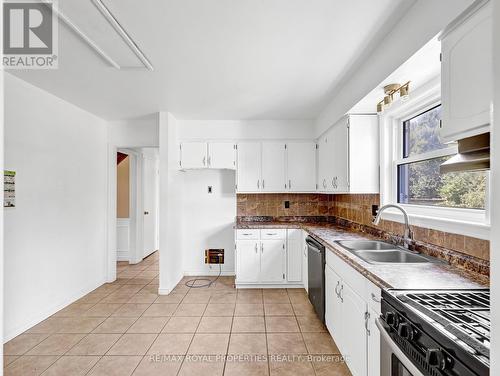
(477, 228)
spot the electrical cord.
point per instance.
(208, 282)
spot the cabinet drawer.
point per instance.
(272, 233)
(247, 234)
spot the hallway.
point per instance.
(126, 328)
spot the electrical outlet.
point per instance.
(374, 210)
(287, 204)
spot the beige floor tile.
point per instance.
(197, 367)
(197, 297)
(23, 343)
(249, 299)
(249, 309)
(116, 297)
(155, 310)
(79, 324)
(247, 343)
(305, 309)
(281, 324)
(7, 359)
(223, 297)
(190, 309)
(131, 310)
(320, 343)
(311, 324)
(115, 325)
(73, 310)
(50, 325)
(291, 368)
(71, 365)
(29, 365)
(219, 310)
(158, 366)
(94, 344)
(148, 325)
(171, 298)
(171, 344)
(132, 344)
(102, 310)
(115, 366)
(215, 325)
(332, 367)
(209, 344)
(182, 325)
(240, 368)
(251, 324)
(143, 297)
(56, 344)
(278, 309)
(276, 298)
(286, 343)
(298, 297)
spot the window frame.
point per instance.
(471, 222)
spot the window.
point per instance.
(419, 181)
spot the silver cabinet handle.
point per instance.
(261, 247)
(204, 160)
(246, 234)
(209, 160)
(336, 289)
(262, 183)
(374, 298)
(340, 294)
(271, 233)
(367, 317)
(289, 184)
(255, 247)
(258, 184)
(324, 183)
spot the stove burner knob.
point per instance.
(435, 358)
(391, 318)
(405, 331)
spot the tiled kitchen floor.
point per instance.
(126, 328)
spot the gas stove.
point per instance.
(442, 332)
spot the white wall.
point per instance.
(136, 132)
(401, 42)
(245, 129)
(55, 236)
(208, 219)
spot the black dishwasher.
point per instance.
(316, 275)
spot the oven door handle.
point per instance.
(396, 351)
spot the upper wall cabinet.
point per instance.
(276, 167)
(348, 156)
(216, 155)
(467, 73)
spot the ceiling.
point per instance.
(419, 69)
(217, 59)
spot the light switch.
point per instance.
(209, 189)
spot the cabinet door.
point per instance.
(339, 180)
(354, 342)
(247, 261)
(272, 260)
(325, 156)
(467, 77)
(305, 268)
(373, 368)
(301, 166)
(221, 155)
(294, 255)
(194, 155)
(273, 166)
(333, 306)
(249, 167)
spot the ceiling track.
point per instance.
(118, 28)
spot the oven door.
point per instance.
(393, 362)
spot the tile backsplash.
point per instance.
(356, 208)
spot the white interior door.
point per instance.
(150, 199)
(273, 166)
(271, 260)
(221, 155)
(249, 167)
(301, 166)
(194, 155)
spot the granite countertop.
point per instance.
(399, 276)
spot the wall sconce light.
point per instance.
(389, 91)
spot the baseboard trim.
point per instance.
(166, 291)
(269, 286)
(208, 273)
(9, 334)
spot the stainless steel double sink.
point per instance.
(378, 252)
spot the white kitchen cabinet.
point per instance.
(249, 167)
(294, 255)
(333, 305)
(348, 156)
(248, 261)
(273, 166)
(193, 155)
(467, 73)
(301, 166)
(221, 155)
(373, 348)
(354, 335)
(272, 260)
(305, 264)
